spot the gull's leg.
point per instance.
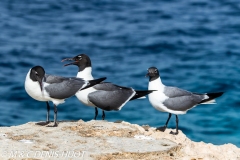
(47, 121)
(96, 113)
(103, 115)
(163, 128)
(175, 133)
(48, 110)
(55, 116)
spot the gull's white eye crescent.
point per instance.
(79, 57)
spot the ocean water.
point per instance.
(194, 44)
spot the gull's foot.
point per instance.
(161, 128)
(55, 125)
(43, 123)
(174, 133)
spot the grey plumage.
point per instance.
(107, 86)
(109, 96)
(70, 87)
(175, 92)
(57, 79)
(181, 100)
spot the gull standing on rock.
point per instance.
(174, 100)
(45, 87)
(106, 96)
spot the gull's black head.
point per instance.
(37, 74)
(81, 60)
(152, 73)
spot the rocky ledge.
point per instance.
(104, 140)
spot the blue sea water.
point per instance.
(193, 43)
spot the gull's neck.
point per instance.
(156, 85)
(85, 74)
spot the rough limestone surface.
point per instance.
(102, 140)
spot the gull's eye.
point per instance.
(79, 57)
(155, 71)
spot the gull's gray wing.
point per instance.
(107, 86)
(109, 96)
(181, 100)
(172, 92)
(61, 87)
(56, 79)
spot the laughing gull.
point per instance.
(106, 96)
(174, 100)
(45, 87)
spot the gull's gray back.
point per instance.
(62, 87)
(175, 92)
(109, 96)
(181, 100)
(57, 79)
(107, 86)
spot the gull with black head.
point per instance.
(45, 87)
(174, 100)
(105, 95)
